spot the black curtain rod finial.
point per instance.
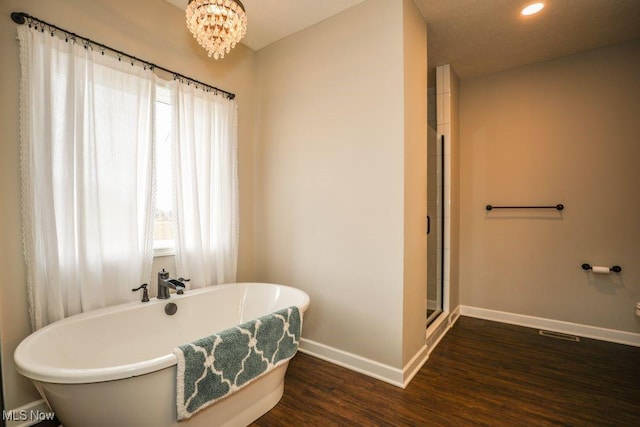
(19, 17)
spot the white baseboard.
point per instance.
(389, 374)
(586, 331)
(417, 361)
(28, 415)
(453, 317)
(439, 328)
(353, 362)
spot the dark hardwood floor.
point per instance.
(481, 373)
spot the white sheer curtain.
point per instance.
(87, 133)
(206, 193)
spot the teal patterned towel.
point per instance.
(211, 368)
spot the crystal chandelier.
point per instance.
(217, 25)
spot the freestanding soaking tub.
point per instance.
(115, 366)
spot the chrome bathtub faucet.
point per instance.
(165, 283)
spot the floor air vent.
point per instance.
(559, 335)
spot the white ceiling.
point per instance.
(271, 20)
(475, 36)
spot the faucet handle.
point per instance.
(145, 292)
(182, 279)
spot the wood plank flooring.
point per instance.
(481, 373)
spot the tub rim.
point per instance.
(46, 373)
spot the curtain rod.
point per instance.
(21, 18)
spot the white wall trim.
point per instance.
(439, 328)
(389, 374)
(454, 316)
(28, 415)
(594, 332)
(436, 330)
(417, 361)
(394, 376)
(351, 361)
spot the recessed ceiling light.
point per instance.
(532, 9)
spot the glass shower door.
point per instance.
(435, 226)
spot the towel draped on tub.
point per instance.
(211, 368)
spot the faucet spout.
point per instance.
(176, 284)
(165, 283)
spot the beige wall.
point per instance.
(330, 199)
(159, 37)
(415, 181)
(329, 214)
(561, 131)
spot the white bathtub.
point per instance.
(115, 366)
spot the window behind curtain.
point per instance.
(163, 233)
(97, 149)
(87, 147)
(205, 156)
